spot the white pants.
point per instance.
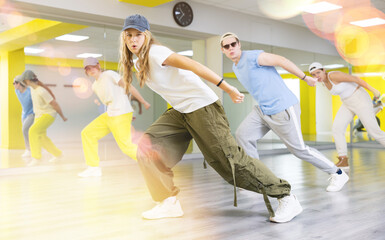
(360, 104)
(287, 125)
(27, 123)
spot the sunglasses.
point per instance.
(227, 46)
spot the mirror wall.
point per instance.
(60, 67)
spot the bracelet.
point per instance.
(220, 82)
(304, 77)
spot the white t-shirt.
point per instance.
(111, 94)
(41, 102)
(182, 89)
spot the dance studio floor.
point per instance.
(49, 202)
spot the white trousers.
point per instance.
(360, 104)
(287, 125)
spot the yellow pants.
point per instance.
(120, 126)
(38, 137)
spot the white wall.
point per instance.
(208, 21)
(324, 110)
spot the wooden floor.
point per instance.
(56, 204)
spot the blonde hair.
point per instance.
(126, 62)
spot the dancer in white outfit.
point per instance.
(355, 101)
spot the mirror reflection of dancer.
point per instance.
(278, 108)
(359, 128)
(45, 107)
(116, 120)
(23, 93)
(197, 113)
(355, 101)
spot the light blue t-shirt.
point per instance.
(26, 102)
(263, 83)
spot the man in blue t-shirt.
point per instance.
(277, 107)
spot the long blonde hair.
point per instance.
(126, 62)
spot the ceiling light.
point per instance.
(320, 7)
(72, 38)
(188, 53)
(369, 22)
(334, 66)
(33, 50)
(86, 55)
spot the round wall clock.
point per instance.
(183, 14)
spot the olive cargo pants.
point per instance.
(166, 140)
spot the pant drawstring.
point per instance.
(267, 201)
(230, 158)
(204, 163)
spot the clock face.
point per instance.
(183, 14)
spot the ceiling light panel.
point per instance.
(321, 7)
(72, 38)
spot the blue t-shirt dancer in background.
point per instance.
(23, 93)
(277, 107)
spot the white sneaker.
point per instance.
(33, 162)
(337, 181)
(55, 159)
(288, 208)
(26, 153)
(91, 172)
(168, 208)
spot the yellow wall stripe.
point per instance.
(35, 31)
(147, 3)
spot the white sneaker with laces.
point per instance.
(33, 162)
(288, 208)
(55, 159)
(91, 172)
(168, 208)
(337, 181)
(26, 153)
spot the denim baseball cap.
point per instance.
(136, 21)
(28, 75)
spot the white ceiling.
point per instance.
(106, 41)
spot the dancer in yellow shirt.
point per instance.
(117, 119)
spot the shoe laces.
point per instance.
(333, 179)
(283, 202)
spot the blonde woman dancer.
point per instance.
(116, 120)
(46, 108)
(197, 113)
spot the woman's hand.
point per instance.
(376, 93)
(146, 105)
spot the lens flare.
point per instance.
(14, 19)
(64, 69)
(82, 87)
(282, 9)
(351, 41)
(323, 24)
